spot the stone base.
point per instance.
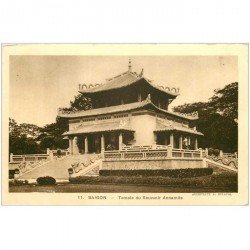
(153, 164)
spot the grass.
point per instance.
(218, 182)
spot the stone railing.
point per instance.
(89, 165)
(29, 157)
(228, 159)
(150, 153)
(38, 157)
(54, 152)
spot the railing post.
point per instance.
(11, 157)
(102, 153)
(200, 149)
(236, 155)
(51, 155)
(206, 151)
(48, 151)
(169, 151)
(221, 153)
(16, 174)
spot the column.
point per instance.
(196, 143)
(120, 141)
(139, 97)
(75, 146)
(172, 140)
(102, 142)
(180, 142)
(86, 144)
(71, 145)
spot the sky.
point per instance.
(39, 85)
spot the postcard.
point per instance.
(125, 124)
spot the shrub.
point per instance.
(59, 152)
(174, 173)
(18, 182)
(70, 171)
(210, 151)
(46, 180)
(228, 180)
(216, 152)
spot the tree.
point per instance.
(225, 101)
(217, 118)
(30, 139)
(79, 103)
(19, 143)
(52, 135)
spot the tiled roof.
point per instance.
(105, 110)
(161, 126)
(108, 126)
(123, 80)
(120, 108)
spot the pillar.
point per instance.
(120, 141)
(172, 140)
(75, 149)
(86, 144)
(102, 142)
(139, 97)
(71, 145)
(180, 142)
(196, 143)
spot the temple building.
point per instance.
(129, 109)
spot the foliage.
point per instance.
(18, 182)
(51, 135)
(212, 151)
(228, 180)
(225, 101)
(31, 139)
(47, 180)
(79, 103)
(174, 173)
(218, 118)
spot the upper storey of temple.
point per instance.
(128, 87)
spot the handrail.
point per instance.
(150, 152)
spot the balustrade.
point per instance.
(150, 152)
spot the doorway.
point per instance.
(94, 141)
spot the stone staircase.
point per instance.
(219, 166)
(58, 168)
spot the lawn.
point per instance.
(216, 183)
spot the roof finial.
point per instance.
(141, 74)
(129, 64)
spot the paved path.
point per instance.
(114, 188)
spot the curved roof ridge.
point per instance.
(119, 108)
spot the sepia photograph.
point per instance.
(105, 124)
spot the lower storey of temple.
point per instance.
(114, 140)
